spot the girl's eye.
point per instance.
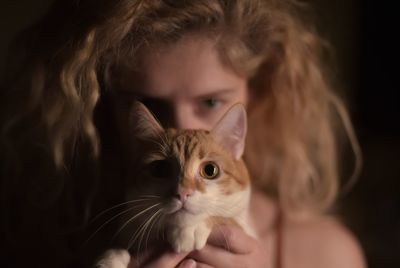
(212, 103)
(209, 170)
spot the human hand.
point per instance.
(229, 246)
(167, 259)
(162, 257)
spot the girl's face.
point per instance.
(186, 86)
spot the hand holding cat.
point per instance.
(227, 246)
(230, 246)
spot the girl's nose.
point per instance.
(183, 117)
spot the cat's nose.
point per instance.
(183, 194)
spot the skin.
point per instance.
(195, 90)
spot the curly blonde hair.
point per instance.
(71, 54)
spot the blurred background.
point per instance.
(364, 36)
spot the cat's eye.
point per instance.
(209, 170)
(161, 169)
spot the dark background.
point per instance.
(363, 34)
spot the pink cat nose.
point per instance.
(183, 194)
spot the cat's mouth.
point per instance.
(178, 207)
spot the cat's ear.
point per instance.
(231, 130)
(142, 122)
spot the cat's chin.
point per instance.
(177, 208)
(182, 218)
(184, 211)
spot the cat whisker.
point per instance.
(161, 219)
(138, 233)
(152, 221)
(151, 196)
(155, 220)
(119, 205)
(133, 238)
(108, 221)
(132, 218)
(143, 223)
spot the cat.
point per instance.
(187, 182)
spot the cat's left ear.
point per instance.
(231, 130)
(143, 123)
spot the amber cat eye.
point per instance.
(209, 170)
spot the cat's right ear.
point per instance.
(231, 130)
(142, 122)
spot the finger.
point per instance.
(168, 260)
(190, 263)
(233, 239)
(217, 257)
(203, 265)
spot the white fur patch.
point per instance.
(190, 231)
(114, 258)
(190, 237)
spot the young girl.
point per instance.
(64, 135)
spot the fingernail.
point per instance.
(190, 264)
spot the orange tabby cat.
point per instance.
(188, 181)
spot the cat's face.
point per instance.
(190, 174)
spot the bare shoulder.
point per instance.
(321, 241)
(318, 241)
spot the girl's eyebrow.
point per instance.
(216, 92)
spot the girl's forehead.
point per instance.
(190, 67)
